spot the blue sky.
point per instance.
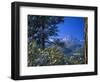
(72, 26)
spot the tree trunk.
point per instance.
(42, 38)
(85, 39)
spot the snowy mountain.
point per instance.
(70, 41)
(68, 45)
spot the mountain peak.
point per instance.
(67, 38)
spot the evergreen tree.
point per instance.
(40, 28)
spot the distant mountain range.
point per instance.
(71, 44)
(69, 40)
